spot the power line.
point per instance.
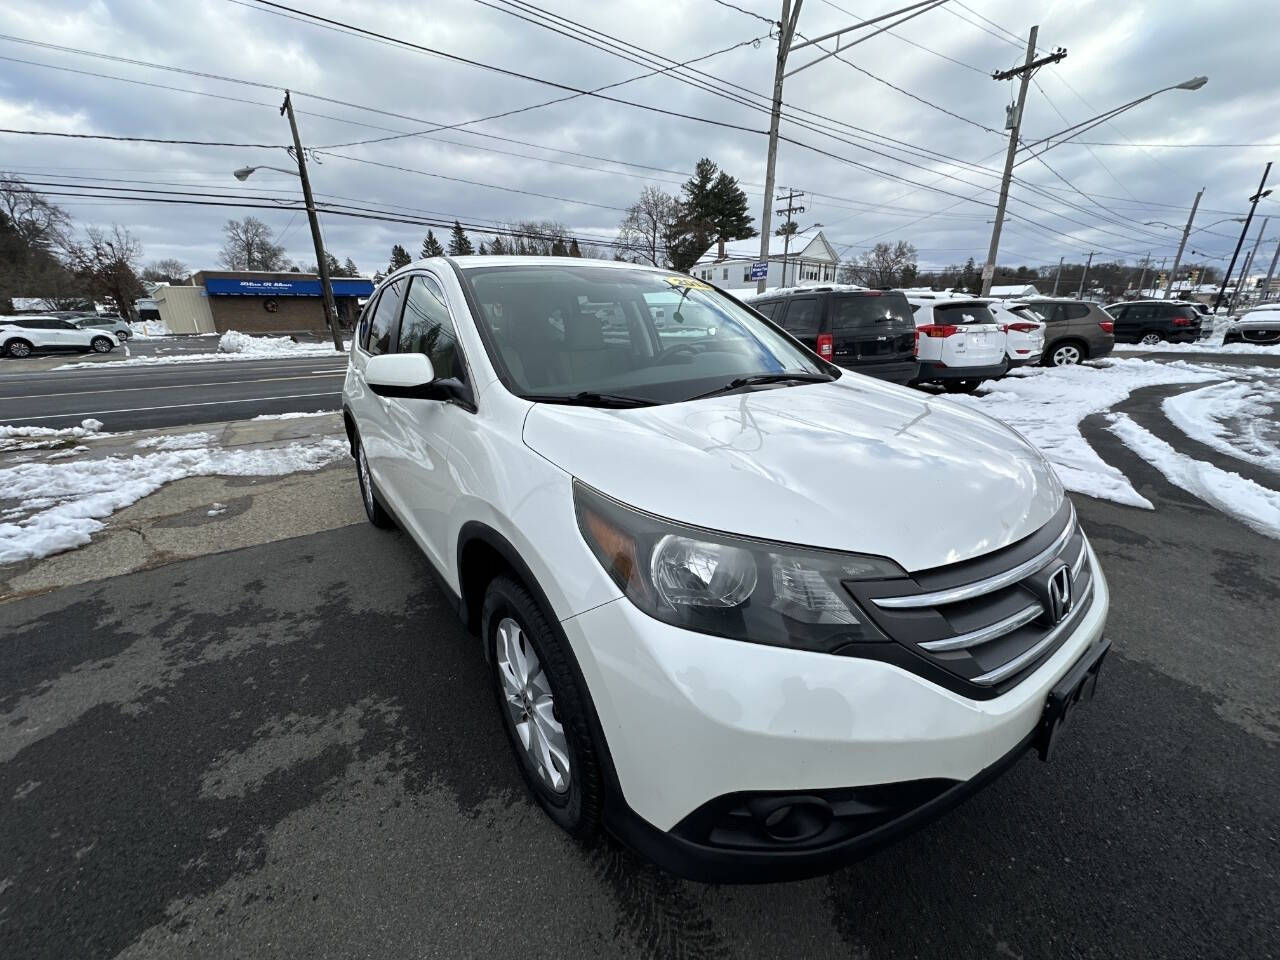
(919, 46)
(749, 13)
(103, 136)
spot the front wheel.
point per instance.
(101, 345)
(1151, 339)
(1065, 355)
(543, 709)
(19, 349)
(372, 508)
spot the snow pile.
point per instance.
(241, 343)
(1046, 406)
(63, 504)
(147, 329)
(181, 441)
(37, 438)
(1240, 419)
(293, 416)
(1213, 345)
(1251, 504)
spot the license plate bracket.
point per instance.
(1077, 686)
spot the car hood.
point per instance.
(855, 465)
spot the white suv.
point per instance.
(958, 343)
(25, 335)
(1023, 331)
(727, 614)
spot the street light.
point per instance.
(1195, 83)
(244, 173)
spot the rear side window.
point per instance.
(802, 318)
(768, 309)
(386, 313)
(1077, 311)
(858, 311)
(962, 314)
(427, 327)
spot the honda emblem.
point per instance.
(1059, 594)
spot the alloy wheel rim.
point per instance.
(1151, 339)
(101, 346)
(526, 691)
(1065, 356)
(366, 488)
(19, 350)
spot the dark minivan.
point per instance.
(867, 331)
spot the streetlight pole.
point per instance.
(1244, 232)
(1186, 232)
(1248, 264)
(1266, 286)
(1088, 263)
(1057, 276)
(322, 260)
(1142, 277)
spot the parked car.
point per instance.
(1156, 321)
(24, 335)
(869, 331)
(753, 614)
(1256, 326)
(958, 342)
(1023, 331)
(115, 324)
(1075, 330)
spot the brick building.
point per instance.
(278, 303)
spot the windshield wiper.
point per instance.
(589, 398)
(764, 378)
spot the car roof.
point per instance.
(817, 288)
(948, 302)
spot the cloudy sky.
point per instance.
(902, 141)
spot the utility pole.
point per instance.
(1142, 277)
(322, 261)
(1248, 265)
(1186, 232)
(1244, 232)
(1266, 287)
(1088, 263)
(1057, 276)
(1014, 123)
(787, 211)
(786, 30)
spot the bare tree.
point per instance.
(642, 235)
(167, 270)
(107, 260)
(884, 265)
(248, 246)
(36, 219)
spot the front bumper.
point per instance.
(938, 373)
(689, 720)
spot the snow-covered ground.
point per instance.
(233, 346)
(1046, 405)
(1212, 345)
(39, 438)
(294, 416)
(1238, 418)
(58, 505)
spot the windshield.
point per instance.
(560, 331)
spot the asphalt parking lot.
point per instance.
(290, 750)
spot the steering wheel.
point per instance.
(691, 349)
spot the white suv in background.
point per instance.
(24, 335)
(958, 342)
(727, 613)
(1023, 331)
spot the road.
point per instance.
(135, 397)
(289, 750)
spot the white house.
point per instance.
(809, 259)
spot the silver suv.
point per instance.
(1075, 330)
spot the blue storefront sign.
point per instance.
(234, 287)
(760, 270)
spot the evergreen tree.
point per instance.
(482, 251)
(431, 246)
(729, 217)
(574, 250)
(349, 268)
(558, 248)
(399, 258)
(497, 247)
(712, 207)
(459, 245)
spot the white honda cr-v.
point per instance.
(752, 613)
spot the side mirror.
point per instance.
(411, 376)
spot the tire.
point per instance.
(122, 336)
(1065, 353)
(1150, 338)
(368, 491)
(101, 345)
(541, 701)
(18, 349)
(961, 386)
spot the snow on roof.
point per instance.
(1014, 290)
(749, 249)
(808, 288)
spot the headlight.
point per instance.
(717, 583)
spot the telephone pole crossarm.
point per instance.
(1056, 56)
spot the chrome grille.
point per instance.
(986, 621)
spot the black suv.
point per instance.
(868, 331)
(1155, 321)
